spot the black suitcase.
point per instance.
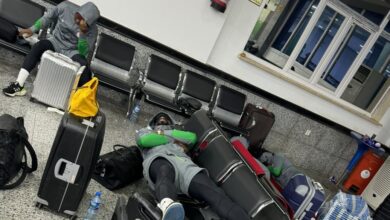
(201, 124)
(137, 207)
(257, 121)
(219, 158)
(71, 162)
(8, 31)
(255, 195)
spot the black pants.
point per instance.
(39, 48)
(201, 188)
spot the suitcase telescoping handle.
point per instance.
(66, 170)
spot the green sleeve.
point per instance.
(184, 136)
(82, 47)
(37, 25)
(152, 140)
(276, 171)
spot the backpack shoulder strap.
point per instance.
(34, 160)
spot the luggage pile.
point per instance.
(304, 195)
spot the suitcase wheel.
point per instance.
(32, 100)
(39, 205)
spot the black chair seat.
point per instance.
(115, 52)
(163, 72)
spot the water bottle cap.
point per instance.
(98, 194)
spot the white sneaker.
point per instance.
(171, 210)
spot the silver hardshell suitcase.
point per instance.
(57, 76)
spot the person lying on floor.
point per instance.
(74, 35)
(169, 171)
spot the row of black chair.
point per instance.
(163, 82)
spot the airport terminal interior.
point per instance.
(316, 71)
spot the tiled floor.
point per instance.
(42, 126)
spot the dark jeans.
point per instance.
(201, 188)
(32, 59)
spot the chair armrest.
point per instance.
(189, 105)
(234, 129)
(137, 79)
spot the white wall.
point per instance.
(384, 134)
(188, 26)
(197, 30)
(237, 28)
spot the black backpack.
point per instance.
(13, 140)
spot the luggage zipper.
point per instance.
(301, 210)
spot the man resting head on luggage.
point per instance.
(74, 35)
(169, 171)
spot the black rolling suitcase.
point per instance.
(71, 162)
(137, 207)
(258, 122)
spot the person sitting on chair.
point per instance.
(169, 171)
(74, 35)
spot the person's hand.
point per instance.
(26, 33)
(182, 145)
(83, 26)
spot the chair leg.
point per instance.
(132, 94)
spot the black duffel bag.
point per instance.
(8, 31)
(119, 168)
(13, 140)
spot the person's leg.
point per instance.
(86, 75)
(162, 174)
(204, 189)
(30, 61)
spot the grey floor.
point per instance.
(42, 125)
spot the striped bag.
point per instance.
(347, 207)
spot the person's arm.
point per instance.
(186, 137)
(147, 138)
(87, 41)
(50, 17)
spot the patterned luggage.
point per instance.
(57, 77)
(346, 207)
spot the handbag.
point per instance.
(83, 102)
(13, 140)
(119, 168)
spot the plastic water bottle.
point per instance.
(135, 113)
(93, 207)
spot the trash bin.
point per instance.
(363, 172)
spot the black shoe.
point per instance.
(14, 89)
